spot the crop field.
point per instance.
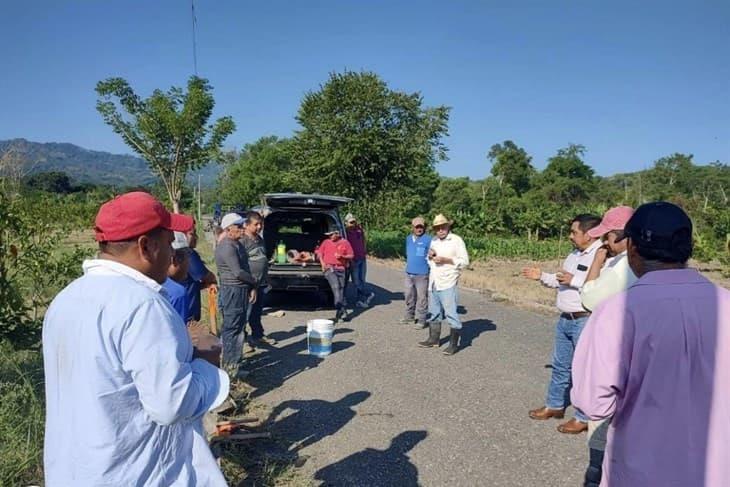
(391, 245)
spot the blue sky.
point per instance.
(632, 81)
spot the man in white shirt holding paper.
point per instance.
(447, 258)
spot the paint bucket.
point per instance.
(319, 337)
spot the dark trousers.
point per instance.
(336, 280)
(358, 271)
(595, 469)
(234, 307)
(254, 316)
(416, 288)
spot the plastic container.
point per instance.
(281, 253)
(319, 337)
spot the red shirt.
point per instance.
(327, 250)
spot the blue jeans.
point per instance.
(358, 270)
(234, 307)
(255, 311)
(567, 333)
(442, 306)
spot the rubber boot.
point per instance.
(434, 335)
(453, 343)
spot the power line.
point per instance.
(195, 42)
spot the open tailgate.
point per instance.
(299, 200)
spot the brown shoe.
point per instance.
(547, 413)
(573, 427)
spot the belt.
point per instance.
(576, 315)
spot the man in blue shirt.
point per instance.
(125, 388)
(417, 270)
(199, 277)
(177, 273)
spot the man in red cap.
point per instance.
(124, 386)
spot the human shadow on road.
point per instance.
(470, 330)
(376, 468)
(382, 297)
(273, 366)
(313, 419)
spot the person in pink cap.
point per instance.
(609, 274)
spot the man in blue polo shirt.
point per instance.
(417, 270)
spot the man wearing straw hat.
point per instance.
(447, 258)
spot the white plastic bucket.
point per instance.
(319, 337)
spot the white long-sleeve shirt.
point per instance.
(616, 276)
(123, 393)
(445, 276)
(577, 263)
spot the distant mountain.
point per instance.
(88, 166)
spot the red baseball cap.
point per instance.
(133, 214)
(614, 219)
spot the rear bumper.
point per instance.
(297, 278)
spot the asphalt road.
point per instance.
(380, 411)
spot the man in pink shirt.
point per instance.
(655, 359)
(335, 254)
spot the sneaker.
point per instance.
(405, 321)
(420, 325)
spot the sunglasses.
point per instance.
(418, 226)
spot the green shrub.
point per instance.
(21, 416)
(392, 245)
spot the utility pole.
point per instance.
(200, 214)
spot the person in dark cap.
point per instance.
(125, 387)
(654, 359)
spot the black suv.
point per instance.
(300, 222)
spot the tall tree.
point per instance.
(360, 138)
(567, 178)
(169, 130)
(511, 166)
(262, 167)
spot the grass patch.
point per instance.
(21, 416)
(391, 245)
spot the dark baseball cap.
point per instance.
(660, 226)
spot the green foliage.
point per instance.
(262, 167)
(34, 262)
(391, 244)
(51, 182)
(361, 139)
(511, 166)
(21, 416)
(169, 129)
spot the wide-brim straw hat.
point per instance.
(439, 220)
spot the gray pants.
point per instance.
(336, 280)
(416, 290)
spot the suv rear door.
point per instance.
(302, 201)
